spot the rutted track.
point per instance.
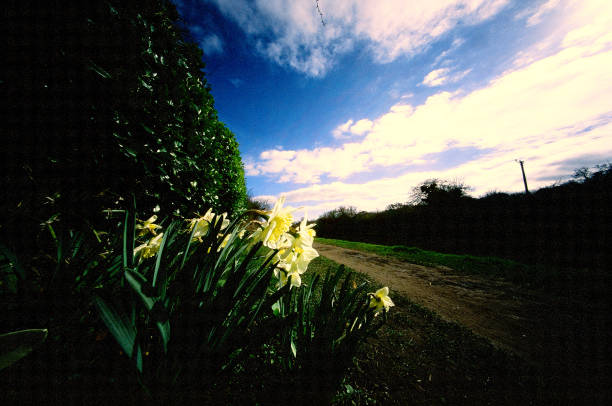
(527, 323)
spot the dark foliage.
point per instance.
(567, 225)
(104, 101)
(436, 192)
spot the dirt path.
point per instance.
(523, 322)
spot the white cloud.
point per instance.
(211, 44)
(436, 77)
(339, 132)
(250, 168)
(535, 15)
(442, 76)
(361, 126)
(397, 29)
(548, 111)
(291, 33)
(456, 44)
(351, 128)
(496, 171)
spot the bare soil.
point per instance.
(560, 343)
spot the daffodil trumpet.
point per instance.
(380, 300)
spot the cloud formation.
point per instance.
(547, 111)
(291, 33)
(442, 76)
(534, 15)
(350, 128)
(211, 44)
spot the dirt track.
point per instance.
(526, 323)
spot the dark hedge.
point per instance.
(567, 225)
(103, 102)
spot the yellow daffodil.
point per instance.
(150, 248)
(148, 226)
(284, 272)
(300, 264)
(201, 224)
(224, 242)
(305, 228)
(305, 236)
(274, 229)
(380, 300)
(296, 280)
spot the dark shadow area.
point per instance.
(103, 102)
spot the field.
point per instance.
(456, 337)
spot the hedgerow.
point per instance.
(105, 103)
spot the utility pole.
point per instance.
(524, 178)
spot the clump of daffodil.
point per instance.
(150, 248)
(148, 226)
(201, 224)
(295, 256)
(273, 231)
(380, 300)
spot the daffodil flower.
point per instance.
(224, 242)
(274, 229)
(380, 300)
(148, 226)
(150, 248)
(302, 246)
(305, 236)
(201, 224)
(296, 280)
(284, 272)
(300, 264)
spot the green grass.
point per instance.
(490, 266)
(321, 265)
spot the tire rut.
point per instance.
(508, 316)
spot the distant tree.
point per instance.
(258, 204)
(582, 174)
(346, 211)
(602, 170)
(492, 192)
(435, 192)
(395, 206)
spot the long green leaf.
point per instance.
(125, 246)
(119, 326)
(18, 344)
(137, 281)
(158, 261)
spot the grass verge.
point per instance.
(489, 266)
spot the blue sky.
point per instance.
(386, 94)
